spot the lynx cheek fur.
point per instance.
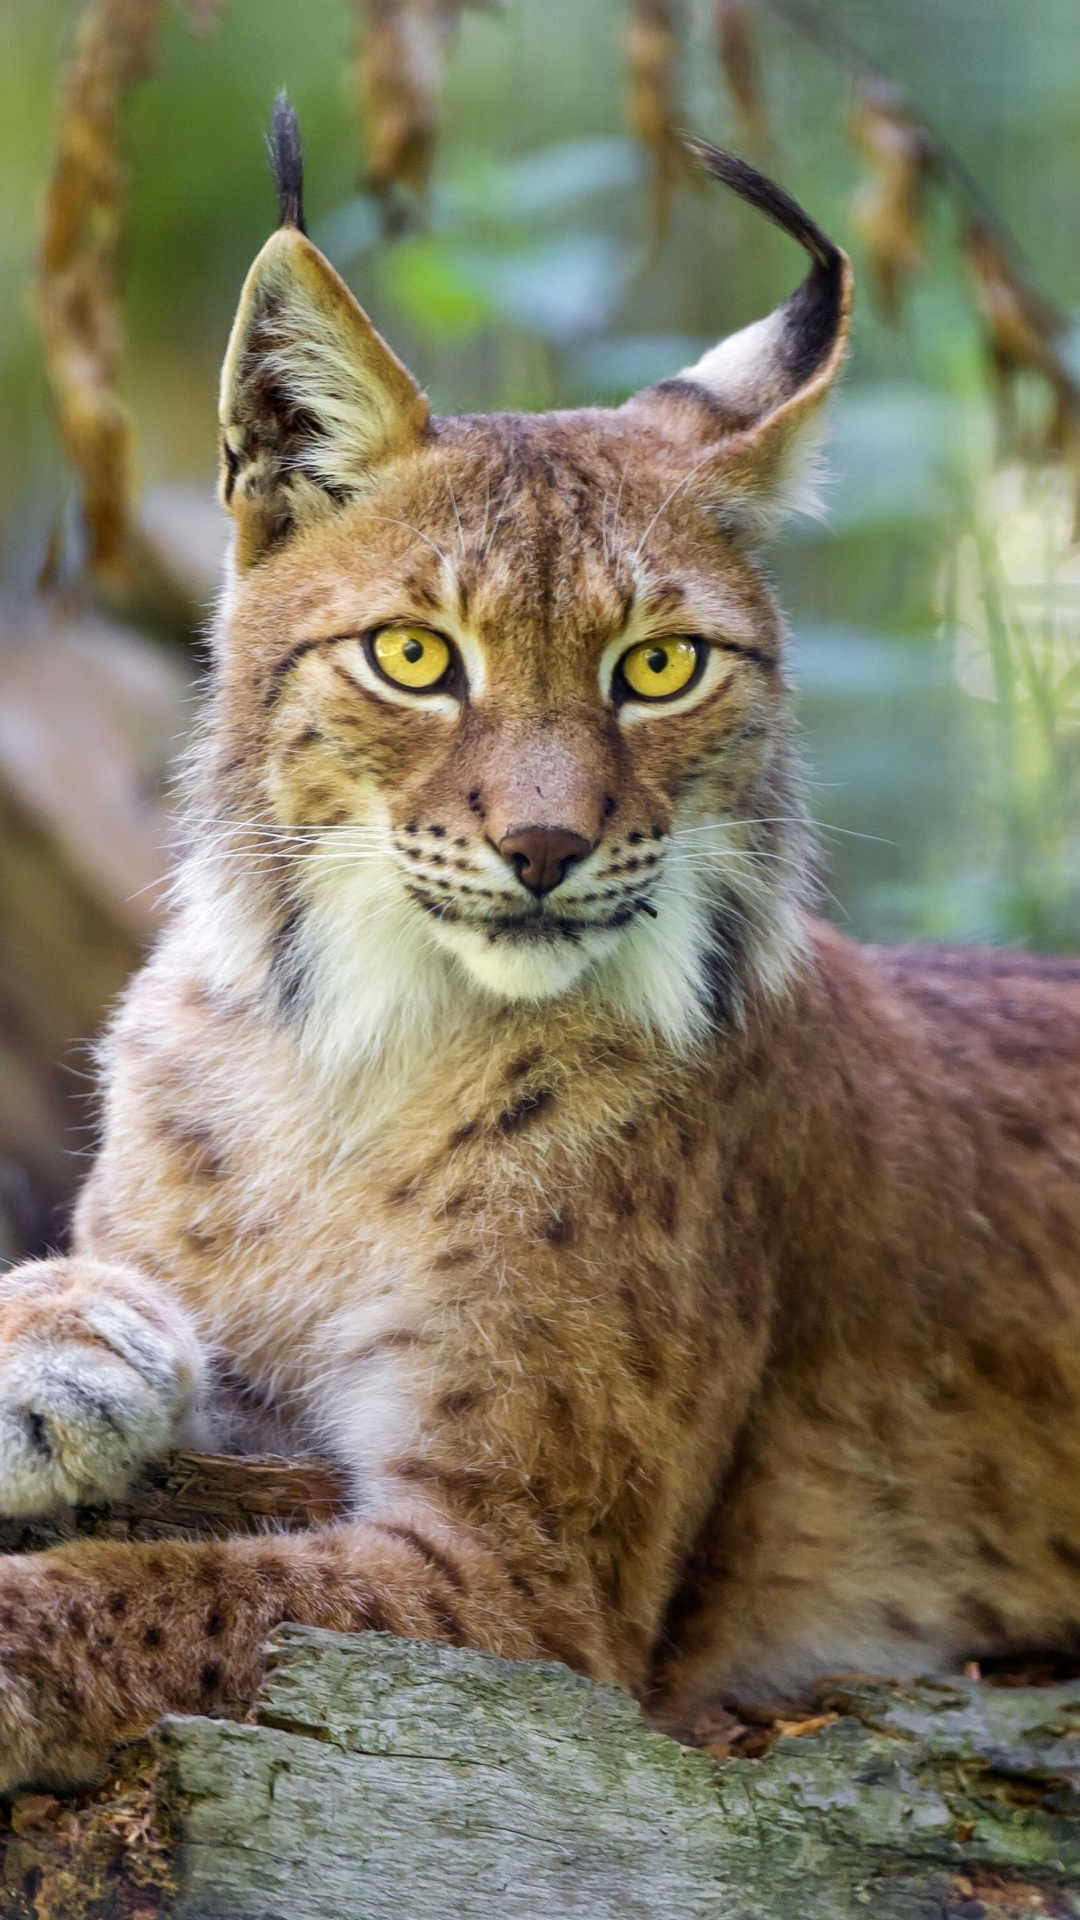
(692, 1296)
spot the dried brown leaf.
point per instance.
(400, 73)
(1023, 333)
(77, 286)
(890, 208)
(740, 63)
(653, 50)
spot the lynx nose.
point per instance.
(541, 856)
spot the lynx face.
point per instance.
(499, 700)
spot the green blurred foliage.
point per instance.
(947, 794)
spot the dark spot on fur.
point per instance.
(623, 1204)
(153, 1637)
(902, 1624)
(458, 1401)
(524, 1110)
(455, 1257)
(665, 1204)
(644, 1355)
(461, 1134)
(203, 1158)
(521, 1585)
(523, 1065)
(200, 1242)
(118, 1604)
(408, 1190)
(985, 1618)
(991, 1554)
(558, 1230)
(1065, 1551)
(211, 1677)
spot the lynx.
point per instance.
(689, 1294)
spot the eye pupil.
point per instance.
(659, 669)
(413, 650)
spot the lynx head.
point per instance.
(499, 707)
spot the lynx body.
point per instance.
(689, 1294)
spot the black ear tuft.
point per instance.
(768, 198)
(817, 312)
(287, 162)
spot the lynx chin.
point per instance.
(689, 1294)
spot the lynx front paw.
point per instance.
(94, 1381)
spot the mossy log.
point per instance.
(383, 1779)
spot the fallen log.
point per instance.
(383, 1779)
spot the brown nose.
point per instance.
(541, 855)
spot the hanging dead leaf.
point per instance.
(400, 74)
(77, 288)
(399, 80)
(890, 209)
(653, 49)
(740, 63)
(77, 300)
(1023, 335)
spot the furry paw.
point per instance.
(94, 1381)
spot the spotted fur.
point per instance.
(690, 1295)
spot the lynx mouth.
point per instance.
(537, 926)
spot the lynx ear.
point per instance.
(752, 401)
(311, 396)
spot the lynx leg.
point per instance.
(100, 1371)
(102, 1637)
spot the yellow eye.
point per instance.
(655, 669)
(411, 657)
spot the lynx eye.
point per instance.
(658, 669)
(411, 657)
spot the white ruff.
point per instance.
(381, 976)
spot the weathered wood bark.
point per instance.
(380, 1779)
(196, 1493)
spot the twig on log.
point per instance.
(197, 1493)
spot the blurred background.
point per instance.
(501, 186)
